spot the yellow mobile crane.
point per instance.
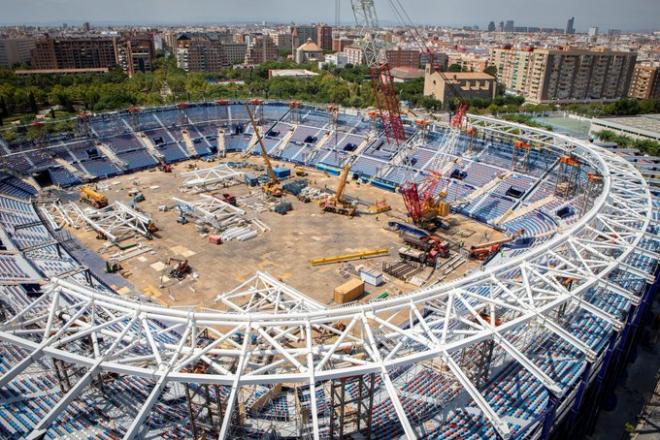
(272, 188)
(335, 203)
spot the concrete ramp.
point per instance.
(73, 170)
(484, 189)
(253, 142)
(284, 142)
(514, 214)
(110, 154)
(190, 147)
(148, 144)
(222, 145)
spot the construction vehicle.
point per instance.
(272, 187)
(425, 250)
(423, 202)
(180, 268)
(408, 253)
(335, 203)
(165, 167)
(379, 207)
(300, 171)
(93, 197)
(432, 244)
(485, 251)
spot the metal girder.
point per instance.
(209, 210)
(220, 174)
(115, 219)
(282, 325)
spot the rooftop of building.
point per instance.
(644, 124)
(460, 76)
(310, 46)
(291, 73)
(407, 72)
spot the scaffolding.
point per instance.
(294, 112)
(351, 410)
(205, 407)
(520, 156)
(134, 117)
(568, 175)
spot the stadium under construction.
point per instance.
(278, 270)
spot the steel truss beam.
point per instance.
(272, 333)
(221, 174)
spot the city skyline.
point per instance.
(635, 15)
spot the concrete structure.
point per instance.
(309, 52)
(468, 62)
(324, 37)
(74, 52)
(440, 59)
(260, 49)
(565, 75)
(645, 83)
(405, 74)
(445, 86)
(403, 57)
(355, 55)
(207, 52)
(340, 44)
(14, 51)
(136, 53)
(338, 60)
(291, 73)
(638, 127)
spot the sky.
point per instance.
(629, 15)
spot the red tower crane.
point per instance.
(387, 101)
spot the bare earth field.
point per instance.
(283, 252)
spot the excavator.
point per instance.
(484, 251)
(272, 188)
(335, 203)
(93, 197)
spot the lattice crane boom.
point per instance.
(385, 94)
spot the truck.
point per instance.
(93, 197)
(433, 245)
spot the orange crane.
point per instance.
(272, 188)
(335, 203)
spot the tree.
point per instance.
(492, 71)
(455, 68)
(32, 102)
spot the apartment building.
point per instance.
(207, 52)
(468, 62)
(136, 52)
(354, 55)
(399, 57)
(339, 44)
(324, 37)
(79, 52)
(15, 51)
(565, 75)
(645, 83)
(260, 49)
